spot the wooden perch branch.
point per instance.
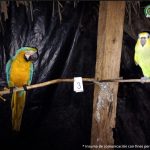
(56, 81)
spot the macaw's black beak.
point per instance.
(31, 57)
(34, 57)
(143, 41)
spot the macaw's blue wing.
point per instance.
(8, 67)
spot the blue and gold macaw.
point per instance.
(19, 71)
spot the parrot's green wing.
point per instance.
(136, 59)
(8, 66)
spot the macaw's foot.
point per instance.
(144, 79)
(25, 87)
(11, 90)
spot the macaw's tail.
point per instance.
(17, 107)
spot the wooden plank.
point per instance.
(109, 44)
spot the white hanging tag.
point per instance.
(78, 84)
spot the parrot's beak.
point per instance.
(34, 56)
(143, 41)
(31, 56)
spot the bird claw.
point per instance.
(25, 87)
(144, 79)
(12, 89)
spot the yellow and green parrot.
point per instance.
(142, 54)
(19, 72)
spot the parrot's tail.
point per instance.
(17, 107)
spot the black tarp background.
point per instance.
(55, 117)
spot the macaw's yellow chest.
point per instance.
(20, 72)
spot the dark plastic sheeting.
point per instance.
(55, 117)
(133, 119)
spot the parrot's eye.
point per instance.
(148, 36)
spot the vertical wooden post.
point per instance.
(109, 44)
